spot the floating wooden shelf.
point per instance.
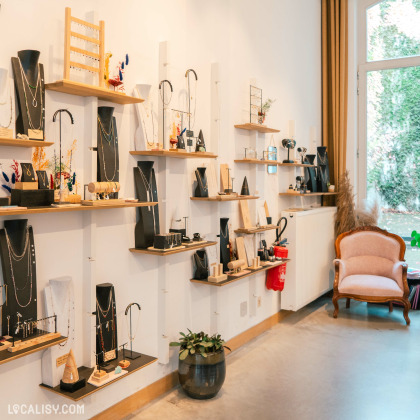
(178, 155)
(85, 372)
(172, 251)
(24, 143)
(6, 356)
(36, 210)
(82, 89)
(301, 165)
(225, 198)
(308, 194)
(231, 279)
(256, 230)
(257, 127)
(273, 162)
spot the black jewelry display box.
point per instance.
(32, 198)
(167, 240)
(74, 386)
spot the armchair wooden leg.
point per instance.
(406, 309)
(348, 303)
(391, 307)
(335, 303)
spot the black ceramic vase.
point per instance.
(310, 174)
(202, 188)
(245, 187)
(224, 243)
(202, 377)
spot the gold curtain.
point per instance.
(334, 84)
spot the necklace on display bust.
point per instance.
(201, 261)
(203, 187)
(29, 88)
(110, 354)
(11, 106)
(225, 233)
(147, 185)
(14, 256)
(109, 136)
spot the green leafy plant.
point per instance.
(266, 106)
(198, 343)
(415, 238)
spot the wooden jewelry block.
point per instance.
(217, 279)
(33, 342)
(98, 203)
(26, 185)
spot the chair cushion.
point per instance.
(368, 285)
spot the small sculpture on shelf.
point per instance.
(200, 145)
(71, 381)
(245, 187)
(302, 152)
(288, 144)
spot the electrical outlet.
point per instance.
(244, 308)
(259, 302)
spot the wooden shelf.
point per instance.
(273, 162)
(6, 356)
(178, 155)
(231, 279)
(172, 251)
(308, 194)
(36, 210)
(258, 127)
(85, 372)
(300, 165)
(256, 230)
(225, 198)
(24, 143)
(82, 89)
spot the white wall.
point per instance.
(275, 42)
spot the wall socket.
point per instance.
(259, 302)
(244, 308)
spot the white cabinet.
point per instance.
(310, 273)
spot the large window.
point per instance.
(389, 113)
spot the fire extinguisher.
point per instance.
(277, 275)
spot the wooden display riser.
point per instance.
(6, 356)
(178, 154)
(273, 163)
(225, 198)
(258, 127)
(83, 89)
(232, 279)
(85, 372)
(24, 143)
(37, 210)
(173, 251)
(256, 230)
(296, 194)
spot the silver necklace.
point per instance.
(147, 185)
(16, 257)
(11, 107)
(111, 133)
(110, 301)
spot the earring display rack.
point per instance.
(257, 127)
(232, 279)
(24, 143)
(272, 162)
(174, 250)
(178, 154)
(13, 211)
(85, 373)
(226, 198)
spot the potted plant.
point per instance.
(264, 109)
(202, 365)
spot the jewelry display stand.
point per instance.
(202, 188)
(106, 323)
(107, 141)
(7, 106)
(323, 168)
(43, 183)
(200, 145)
(310, 174)
(201, 265)
(19, 274)
(144, 138)
(29, 83)
(132, 355)
(224, 243)
(59, 300)
(147, 225)
(245, 187)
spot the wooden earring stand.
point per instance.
(105, 188)
(237, 267)
(218, 275)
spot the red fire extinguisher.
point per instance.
(277, 275)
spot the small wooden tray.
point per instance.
(111, 202)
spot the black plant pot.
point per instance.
(202, 377)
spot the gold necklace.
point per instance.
(204, 188)
(43, 177)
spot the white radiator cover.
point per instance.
(310, 272)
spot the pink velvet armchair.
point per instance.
(370, 267)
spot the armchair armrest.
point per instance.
(340, 270)
(399, 273)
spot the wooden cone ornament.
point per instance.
(70, 375)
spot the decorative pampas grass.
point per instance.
(348, 216)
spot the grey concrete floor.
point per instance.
(364, 365)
